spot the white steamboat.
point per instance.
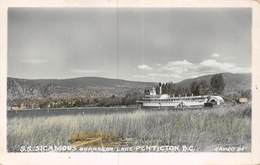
(152, 100)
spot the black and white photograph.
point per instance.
(129, 80)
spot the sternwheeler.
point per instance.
(153, 100)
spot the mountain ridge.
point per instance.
(76, 87)
(103, 87)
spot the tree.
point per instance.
(146, 91)
(194, 87)
(171, 88)
(217, 83)
(164, 88)
(167, 88)
(204, 87)
(181, 91)
(157, 89)
(131, 97)
(246, 93)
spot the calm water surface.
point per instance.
(69, 111)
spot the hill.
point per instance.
(71, 88)
(234, 82)
(104, 87)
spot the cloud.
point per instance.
(173, 64)
(177, 66)
(33, 61)
(180, 70)
(222, 66)
(215, 55)
(144, 67)
(86, 71)
(164, 75)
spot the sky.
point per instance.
(138, 44)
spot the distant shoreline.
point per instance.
(74, 108)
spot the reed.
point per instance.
(201, 128)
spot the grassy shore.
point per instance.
(203, 129)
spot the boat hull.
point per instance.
(179, 102)
(172, 104)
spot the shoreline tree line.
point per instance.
(215, 85)
(196, 88)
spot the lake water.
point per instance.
(86, 111)
(69, 111)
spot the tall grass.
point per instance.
(200, 128)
